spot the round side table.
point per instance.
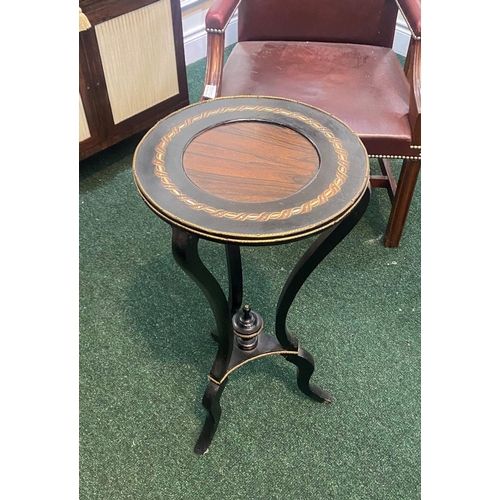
(252, 170)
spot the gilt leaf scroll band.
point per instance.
(333, 188)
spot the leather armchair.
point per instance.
(335, 55)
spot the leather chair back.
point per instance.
(370, 22)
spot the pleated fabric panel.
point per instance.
(138, 58)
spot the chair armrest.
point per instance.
(410, 9)
(219, 14)
(415, 94)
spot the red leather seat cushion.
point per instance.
(364, 86)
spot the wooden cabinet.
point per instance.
(132, 69)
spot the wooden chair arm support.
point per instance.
(415, 91)
(410, 10)
(216, 21)
(215, 62)
(220, 13)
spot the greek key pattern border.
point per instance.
(333, 188)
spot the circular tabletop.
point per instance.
(251, 169)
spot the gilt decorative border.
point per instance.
(333, 188)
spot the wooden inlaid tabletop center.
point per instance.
(250, 161)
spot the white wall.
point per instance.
(195, 38)
(402, 36)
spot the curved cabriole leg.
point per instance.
(211, 403)
(235, 275)
(185, 251)
(323, 245)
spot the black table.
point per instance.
(252, 171)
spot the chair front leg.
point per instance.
(401, 205)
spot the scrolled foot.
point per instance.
(305, 368)
(211, 402)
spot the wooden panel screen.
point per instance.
(138, 58)
(84, 131)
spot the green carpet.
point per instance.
(146, 350)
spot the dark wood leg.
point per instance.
(323, 245)
(404, 194)
(211, 403)
(185, 251)
(235, 275)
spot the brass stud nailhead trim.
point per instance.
(392, 157)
